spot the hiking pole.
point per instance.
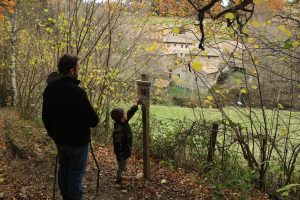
(98, 168)
(54, 183)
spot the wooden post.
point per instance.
(144, 93)
(212, 142)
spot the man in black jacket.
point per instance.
(68, 116)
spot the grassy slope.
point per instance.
(240, 115)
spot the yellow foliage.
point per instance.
(177, 62)
(295, 43)
(245, 30)
(280, 106)
(250, 40)
(238, 81)
(177, 79)
(197, 66)
(285, 31)
(176, 30)
(152, 48)
(207, 102)
(229, 16)
(268, 22)
(254, 87)
(204, 53)
(288, 33)
(256, 46)
(281, 27)
(256, 24)
(8, 6)
(210, 98)
(243, 91)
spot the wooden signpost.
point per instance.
(143, 90)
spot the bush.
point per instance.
(185, 102)
(184, 143)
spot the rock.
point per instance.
(139, 175)
(124, 191)
(2, 195)
(23, 190)
(163, 181)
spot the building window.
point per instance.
(186, 46)
(181, 54)
(182, 46)
(174, 45)
(178, 75)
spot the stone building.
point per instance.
(215, 59)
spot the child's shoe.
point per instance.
(119, 181)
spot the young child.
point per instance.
(122, 137)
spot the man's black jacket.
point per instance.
(122, 136)
(67, 113)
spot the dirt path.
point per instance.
(25, 178)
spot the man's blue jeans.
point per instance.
(72, 163)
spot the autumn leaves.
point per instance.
(6, 6)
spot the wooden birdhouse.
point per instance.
(143, 87)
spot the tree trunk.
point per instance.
(107, 116)
(13, 84)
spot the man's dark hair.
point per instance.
(116, 114)
(67, 62)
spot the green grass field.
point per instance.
(286, 119)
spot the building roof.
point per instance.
(162, 83)
(209, 52)
(187, 38)
(228, 45)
